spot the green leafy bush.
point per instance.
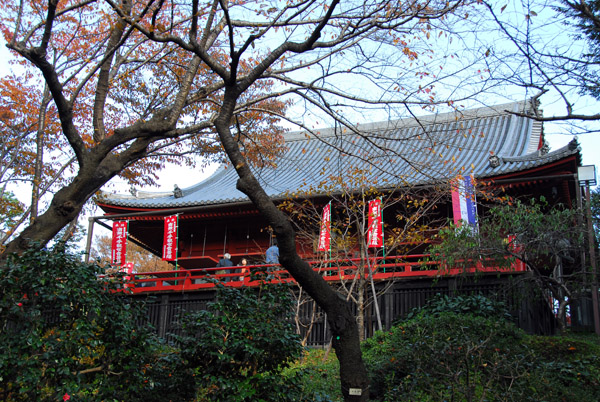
(476, 305)
(319, 376)
(66, 333)
(443, 354)
(445, 357)
(566, 368)
(239, 346)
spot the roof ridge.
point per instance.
(524, 106)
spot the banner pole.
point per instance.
(176, 240)
(330, 237)
(382, 231)
(126, 240)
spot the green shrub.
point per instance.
(566, 368)
(65, 333)
(239, 346)
(445, 357)
(443, 354)
(319, 376)
(476, 305)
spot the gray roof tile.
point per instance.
(434, 148)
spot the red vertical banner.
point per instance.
(119, 242)
(325, 235)
(170, 239)
(375, 232)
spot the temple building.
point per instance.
(499, 146)
(411, 166)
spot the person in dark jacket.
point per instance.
(224, 262)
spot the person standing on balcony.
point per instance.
(244, 268)
(224, 262)
(272, 254)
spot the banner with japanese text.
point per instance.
(119, 242)
(464, 205)
(170, 239)
(375, 231)
(325, 235)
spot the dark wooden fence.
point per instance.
(530, 311)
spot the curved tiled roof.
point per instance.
(486, 142)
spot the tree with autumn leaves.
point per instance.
(86, 96)
(88, 68)
(133, 84)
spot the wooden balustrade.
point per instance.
(381, 269)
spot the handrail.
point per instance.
(395, 267)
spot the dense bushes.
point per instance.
(446, 357)
(464, 349)
(442, 354)
(476, 305)
(567, 368)
(66, 334)
(240, 345)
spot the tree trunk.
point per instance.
(339, 312)
(353, 374)
(360, 290)
(68, 202)
(64, 208)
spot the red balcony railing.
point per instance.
(388, 268)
